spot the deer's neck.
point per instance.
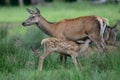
(45, 26)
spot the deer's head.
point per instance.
(33, 18)
(112, 32)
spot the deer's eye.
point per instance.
(32, 17)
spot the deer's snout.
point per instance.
(23, 24)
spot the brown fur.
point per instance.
(111, 35)
(62, 46)
(71, 29)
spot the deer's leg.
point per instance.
(84, 48)
(96, 42)
(75, 61)
(103, 44)
(79, 62)
(65, 57)
(61, 58)
(41, 60)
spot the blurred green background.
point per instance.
(17, 61)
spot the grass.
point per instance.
(18, 63)
(57, 11)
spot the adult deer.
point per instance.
(71, 29)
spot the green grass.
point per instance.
(18, 63)
(57, 11)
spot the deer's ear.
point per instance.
(30, 11)
(117, 24)
(38, 11)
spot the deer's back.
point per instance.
(74, 29)
(60, 45)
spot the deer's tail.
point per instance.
(103, 23)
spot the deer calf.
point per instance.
(62, 46)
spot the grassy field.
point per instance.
(17, 61)
(57, 11)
